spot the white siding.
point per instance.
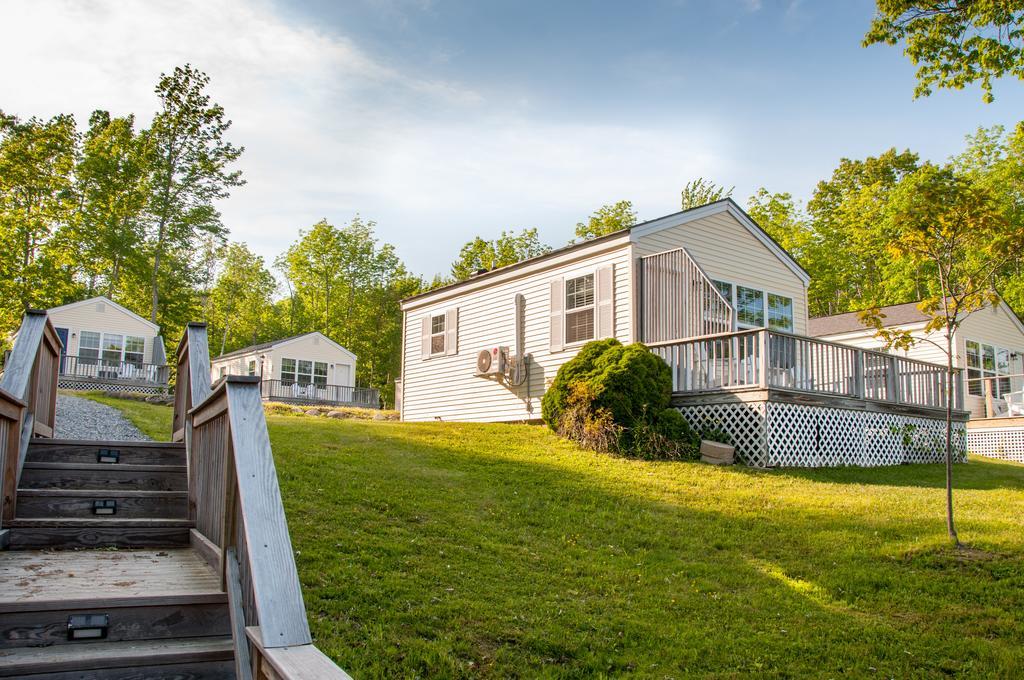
(101, 317)
(444, 386)
(341, 368)
(727, 251)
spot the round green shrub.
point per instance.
(619, 393)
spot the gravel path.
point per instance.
(80, 418)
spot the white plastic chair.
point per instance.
(1014, 403)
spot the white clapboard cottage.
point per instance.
(988, 351)
(107, 346)
(308, 368)
(709, 291)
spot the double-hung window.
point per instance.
(579, 309)
(319, 373)
(134, 350)
(304, 374)
(437, 334)
(287, 371)
(88, 348)
(757, 308)
(780, 313)
(113, 348)
(252, 367)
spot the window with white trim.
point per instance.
(579, 309)
(88, 348)
(134, 350)
(986, 361)
(113, 348)
(304, 372)
(437, 334)
(319, 373)
(252, 367)
(287, 371)
(750, 305)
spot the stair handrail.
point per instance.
(241, 529)
(28, 399)
(192, 361)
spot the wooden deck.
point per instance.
(31, 577)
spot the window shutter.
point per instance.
(451, 330)
(605, 293)
(557, 340)
(425, 338)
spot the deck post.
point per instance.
(762, 360)
(858, 373)
(990, 406)
(892, 380)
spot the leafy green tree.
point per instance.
(190, 168)
(954, 43)
(954, 227)
(607, 220)
(37, 250)
(784, 220)
(242, 299)
(509, 248)
(701, 192)
(112, 185)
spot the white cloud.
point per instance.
(330, 129)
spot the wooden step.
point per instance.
(79, 451)
(97, 532)
(38, 503)
(104, 476)
(37, 624)
(209, 657)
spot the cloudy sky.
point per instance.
(441, 120)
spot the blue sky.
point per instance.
(443, 120)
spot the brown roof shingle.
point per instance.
(895, 315)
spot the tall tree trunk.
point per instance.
(155, 299)
(950, 527)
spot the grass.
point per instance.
(458, 550)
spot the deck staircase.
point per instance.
(111, 568)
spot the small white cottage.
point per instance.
(306, 368)
(106, 344)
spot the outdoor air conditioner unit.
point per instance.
(492, 362)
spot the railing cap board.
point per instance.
(275, 579)
(17, 374)
(12, 399)
(297, 663)
(700, 338)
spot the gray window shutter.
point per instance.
(557, 341)
(451, 330)
(425, 338)
(605, 291)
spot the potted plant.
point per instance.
(716, 447)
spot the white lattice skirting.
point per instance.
(1004, 443)
(88, 385)
(771, 434)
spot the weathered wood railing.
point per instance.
(772, 359)
(240, 525)
(679, 299)
(28, 400)
(309, 393)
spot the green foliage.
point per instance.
(509, 248)
(615, 397)
(346, 285)
(954, 43)
(701, 192)
(241, 308)
(607, 219)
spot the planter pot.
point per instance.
(716, 453)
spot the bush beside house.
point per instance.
(616, 398)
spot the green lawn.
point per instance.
(490, 550)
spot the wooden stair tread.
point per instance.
(93, 655)
(105, 444)
(121, 467)
(102, 493)
(37, 577)
(98, 521)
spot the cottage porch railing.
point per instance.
(309, 393)
(762, 358)
(240, 526)
(93, 368)
(679, 299)
(28, 400)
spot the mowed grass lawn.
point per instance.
(455, 550)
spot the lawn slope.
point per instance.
(458, 550)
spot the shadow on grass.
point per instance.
(977, 474)
(458, 551)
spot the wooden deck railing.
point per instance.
(772, 359)
(240, 524)
(342, 395)
(28, 399)
(679, 299)
(92, 368)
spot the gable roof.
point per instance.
(895, 315)
(259, 347)
(105, 299)
(848, 322)
(636, 231)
